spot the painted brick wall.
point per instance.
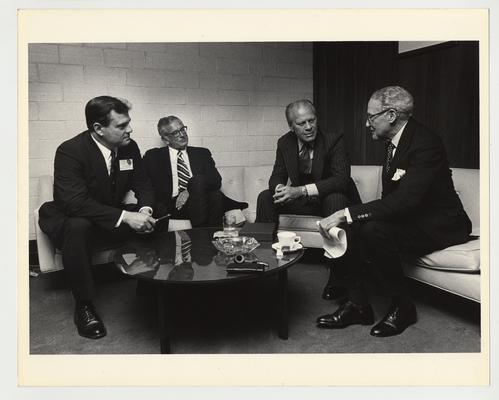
(230, 95)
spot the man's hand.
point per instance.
(283, 194)
(139, 222)
(182, 198)
(329, 222)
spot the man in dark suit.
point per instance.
(419, 212)
(185, 178)
(316, 165)
(92, 173)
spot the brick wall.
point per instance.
(230, 95)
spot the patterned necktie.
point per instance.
(182, 172)
(304, 158)
(389, 156)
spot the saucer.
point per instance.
(296, 246)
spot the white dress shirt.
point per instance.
(173, 162)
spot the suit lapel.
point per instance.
(403, 146)
(400, 153)
(290, 151)
(98, 164)
(318, 161)
(121, 177)
(192, 160)
(165, 169)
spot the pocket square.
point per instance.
(399, 173)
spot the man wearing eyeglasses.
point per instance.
(185, 179)
(419, 212)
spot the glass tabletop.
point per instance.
(190, 256)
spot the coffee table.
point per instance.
(169, 260)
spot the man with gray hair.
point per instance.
(185, 179)
(419, 212)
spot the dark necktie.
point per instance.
(389, 156)
(304, 158)
(113, 171)
(182, 172)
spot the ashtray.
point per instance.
(236, 245)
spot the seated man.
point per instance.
(316, 164)
(92, 173)
(419, 212)
(185, 178)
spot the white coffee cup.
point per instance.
(288, 239)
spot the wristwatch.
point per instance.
(304, 192)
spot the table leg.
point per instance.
(283, 305)
(164, 321)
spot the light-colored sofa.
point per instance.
(455, 269)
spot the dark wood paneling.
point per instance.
(442, 78)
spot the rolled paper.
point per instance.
(336, 245)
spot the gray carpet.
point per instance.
(239, 318)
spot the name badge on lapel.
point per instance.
(126, 165)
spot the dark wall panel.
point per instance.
(345, 74)
(442, 78)
(444, 83)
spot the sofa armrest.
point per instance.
(46, 250)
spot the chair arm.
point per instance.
(46, 250)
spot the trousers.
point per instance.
(375, 252)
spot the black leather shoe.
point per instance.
(396, 321)
(347, 314)
(333, 292)
(88, 322)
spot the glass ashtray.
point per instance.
(236, 245)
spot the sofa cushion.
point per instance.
(233, 182)
(299, 222)
(462, 258)
(256, 179)
(367, 178)
(467, 185)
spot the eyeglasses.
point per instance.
(178, 132)
(372, 117)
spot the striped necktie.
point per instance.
(185, 248)
(183, 172)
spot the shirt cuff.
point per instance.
(121, 219)
(147, 209)
(349, 217)
(312, 189)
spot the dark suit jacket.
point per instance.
(82, 187)
(425, 195)
(158, 168)
(330, 167)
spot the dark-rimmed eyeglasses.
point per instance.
(178, 132)
(372, 117)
